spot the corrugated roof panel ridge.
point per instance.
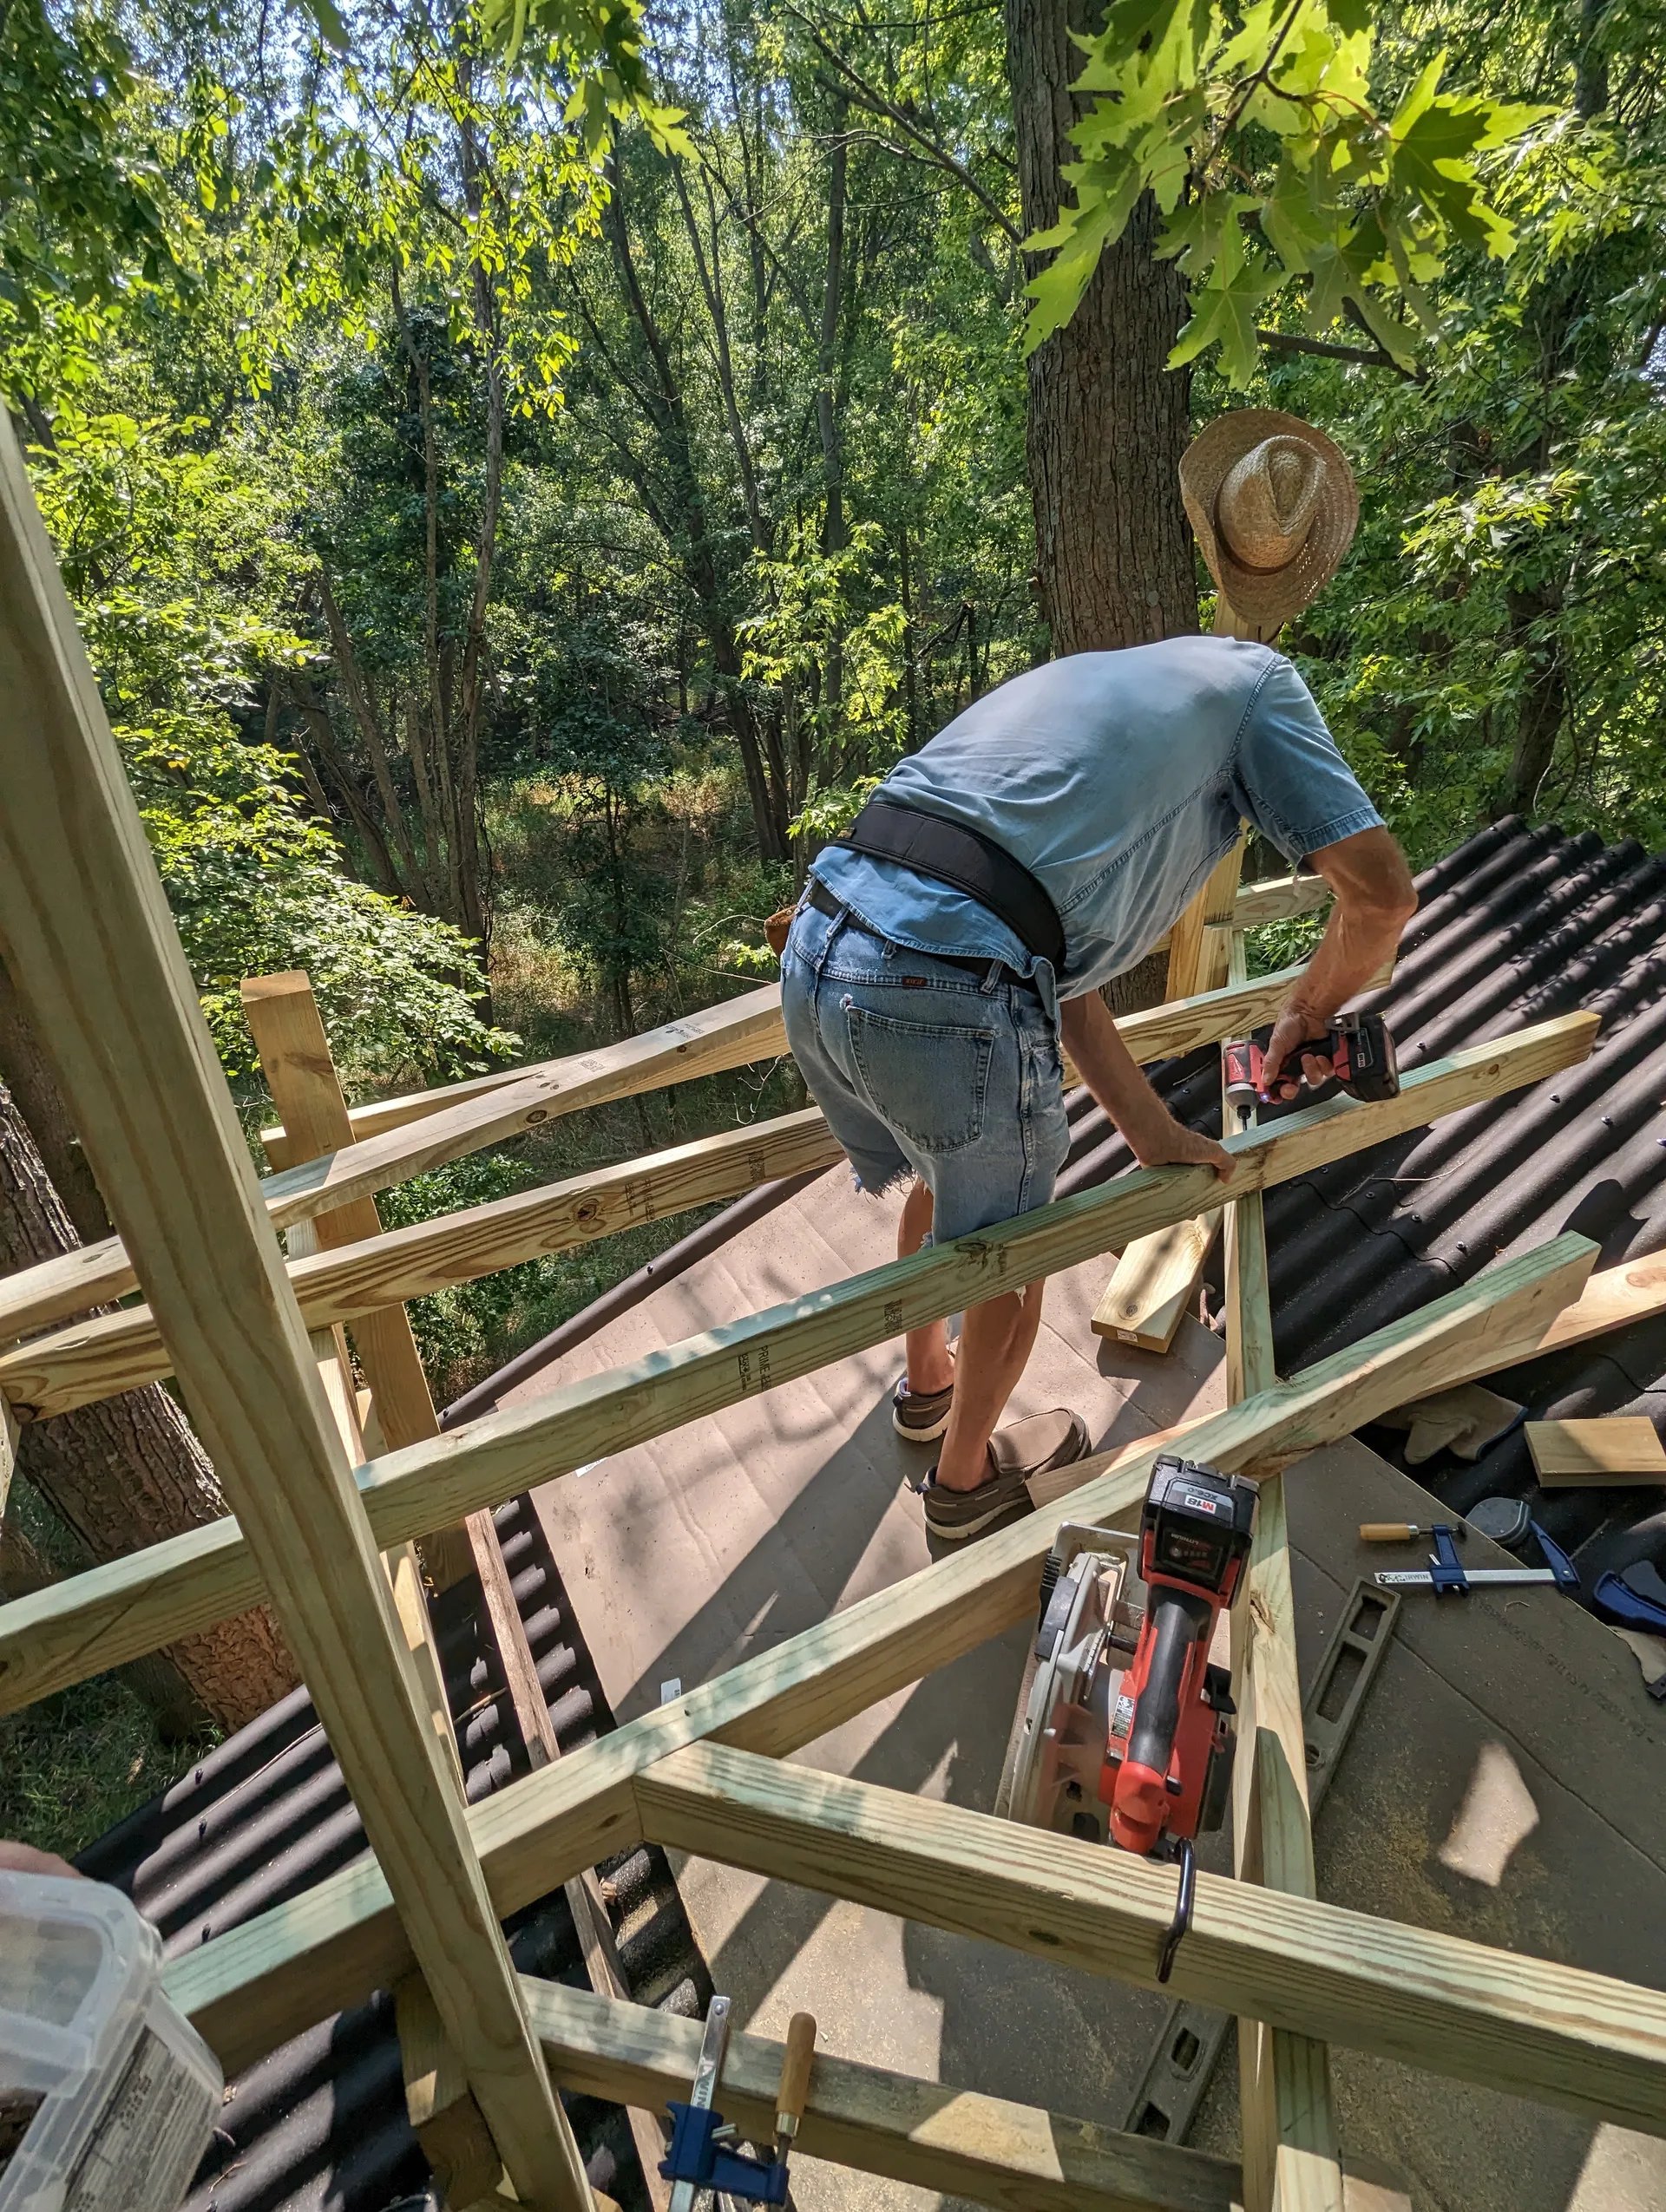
(1518, 924)
(320, 2124)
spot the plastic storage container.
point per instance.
(106, 2096)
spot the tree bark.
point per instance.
(1107, 422)
(828, 425)
(686, 523)
(27, 1074)
(129, 1472)
(1534, 613)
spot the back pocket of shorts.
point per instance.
(927, 1079)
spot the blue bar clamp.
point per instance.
(699, 2158)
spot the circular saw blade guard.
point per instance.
(1068, 1702)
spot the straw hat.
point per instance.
(1274, 504)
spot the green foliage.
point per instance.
(179, 590)
(83, 207)
(255, 886)
(1278, 172)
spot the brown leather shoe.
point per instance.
(1032, 1447)
(920, 1416)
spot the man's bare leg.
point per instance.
(931, 1365)
(996, 1340)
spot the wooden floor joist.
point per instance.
(134, 1605)
(250, 1989)
(953, 2140)
(1497, 2018)
(488, 1237)
(94, 956)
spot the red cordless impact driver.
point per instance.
(1168, 1762)
(1357, 1046)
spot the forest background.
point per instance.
(519, 492)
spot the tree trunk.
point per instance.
(826, 406)
(26, 1073)
(129, 1472)
(1533, 632)
(1107, 422)
(154, 1680)
(686, 525)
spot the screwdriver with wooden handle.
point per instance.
(794, 2092)
(1406, 1532)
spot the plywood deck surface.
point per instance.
(1504, 1781)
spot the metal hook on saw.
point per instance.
(1182, 1905)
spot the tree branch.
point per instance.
(866, 95)
(1374, 356)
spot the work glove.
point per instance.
(1464, 1420)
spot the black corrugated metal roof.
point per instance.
(320, 2123)
(1516, 926)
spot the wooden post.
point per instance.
(289, 1035)
(96, 958)
(1153, 1283)
(1291, 2161)
(403, 1567)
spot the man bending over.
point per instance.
(1040, 845)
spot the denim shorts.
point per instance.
(921, 1067)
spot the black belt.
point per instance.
(889, 829)
(818, 895)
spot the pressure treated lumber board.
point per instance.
(1153, 1284)
(247, 1990)
(1278, 899)
(1191, 953)
(1500, 2018)
(98, 961)
(1503, 1325)
(120, 1351)
(1291, 2155)
(289, 1037)
(35, 1297)
(879, 2122)
(134, 1605)
(1619, 1450)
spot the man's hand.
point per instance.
(1179, 1147)
(23, 1858)
(1374, 901)
(1292, 1028)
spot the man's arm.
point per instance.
(1114, 1076)
(1374, 901)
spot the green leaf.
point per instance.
(1226, 314)
(328, 18)
(1057, 290)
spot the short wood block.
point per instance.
(1152, 1285)
(1623, 1448)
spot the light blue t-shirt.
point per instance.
(1118, 779)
